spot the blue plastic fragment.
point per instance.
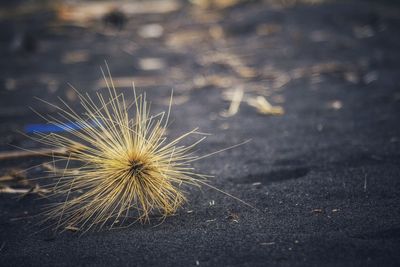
(55, 128)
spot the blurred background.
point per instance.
(247, 53)
(314, 84)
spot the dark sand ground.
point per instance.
(324, 175)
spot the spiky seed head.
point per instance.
(119, 160)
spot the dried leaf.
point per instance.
(264, 107)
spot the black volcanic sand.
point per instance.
(324, 176)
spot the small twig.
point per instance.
(32, 153)
(10, 190)
(24, 191)
(6, 178)
(36, 190)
